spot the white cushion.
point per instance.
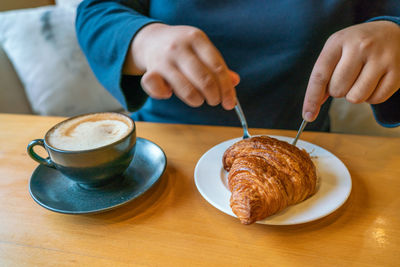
(68, 3)
(42, 45)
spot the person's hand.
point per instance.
(181, 60)
(361, 63)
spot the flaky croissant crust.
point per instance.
(266, 175)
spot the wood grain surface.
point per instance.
(172, 225)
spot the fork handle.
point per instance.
(242, 119)
(302, 126)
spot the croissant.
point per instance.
(267, 175)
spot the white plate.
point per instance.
(333, 189)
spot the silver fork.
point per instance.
(242, 119)
(246, 134)
(302, 126)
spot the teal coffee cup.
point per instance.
(91, 149)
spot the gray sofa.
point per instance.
(12, 94)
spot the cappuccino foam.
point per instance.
(90, 131)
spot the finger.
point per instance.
(325, 97)
(235, 81)
(182, 87)
(228, 92)
(199, 75)
(234, 77)
(319, 79)
(386, 87)
(155, 86)
(211, 57)
(345, 73)
(366, 83)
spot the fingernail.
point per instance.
(308, 116)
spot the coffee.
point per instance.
(89, 131)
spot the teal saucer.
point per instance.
(53, 191)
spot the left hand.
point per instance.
(361, 63)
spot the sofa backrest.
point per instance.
(12, 94)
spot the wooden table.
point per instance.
(172, 225)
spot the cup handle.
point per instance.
(45, 161)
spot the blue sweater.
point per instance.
(273, 45)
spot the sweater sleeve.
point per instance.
(105, 30)
(387, 114)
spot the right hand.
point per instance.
(181, 60)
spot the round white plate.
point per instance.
(333, 189)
